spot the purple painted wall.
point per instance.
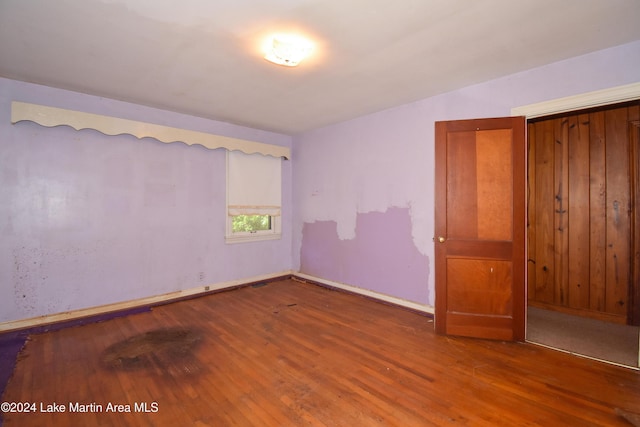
(88, 219)
(366, 261)
(382, 164)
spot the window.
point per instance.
(250, 223)
(254, 183)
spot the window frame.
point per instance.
(274, 233)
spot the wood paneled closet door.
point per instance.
(583, 229)
(480, 228)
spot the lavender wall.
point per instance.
(88, 219)
(379, 257)
(383, 164)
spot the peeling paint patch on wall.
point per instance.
(381, 257)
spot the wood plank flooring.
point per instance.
(296, 354)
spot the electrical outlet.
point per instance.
(206, 288)
(201, 276)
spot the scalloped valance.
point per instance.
(51, 116)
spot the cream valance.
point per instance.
(51, 116)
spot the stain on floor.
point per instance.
(164, 350)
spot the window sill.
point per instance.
(245, 238)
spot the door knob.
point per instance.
(441, 239)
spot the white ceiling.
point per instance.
(202, 57)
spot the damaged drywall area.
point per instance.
(381, 257)
(36, 265)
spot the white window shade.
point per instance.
(254, 184)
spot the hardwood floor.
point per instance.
(296, 354)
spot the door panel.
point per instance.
(494, 165)
(491, 292)
(480, 225)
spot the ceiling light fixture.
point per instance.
(287, 50)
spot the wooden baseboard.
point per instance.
(99, 312)
(137, 303)
(606, 317)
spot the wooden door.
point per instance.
(480, 228)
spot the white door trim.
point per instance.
(577, 102)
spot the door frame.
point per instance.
(634, 292)
(613, 95)
(567, 104)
